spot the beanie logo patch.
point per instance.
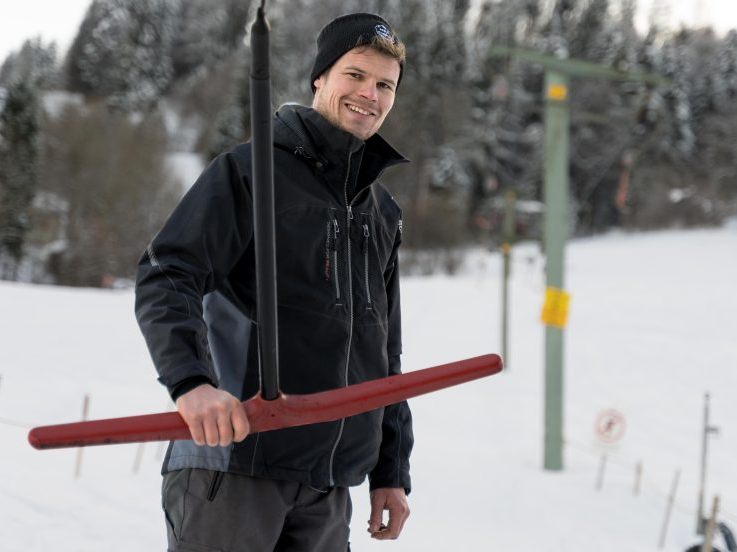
(384, 32)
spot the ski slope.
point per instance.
(652, 328)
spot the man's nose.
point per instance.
(368, 90)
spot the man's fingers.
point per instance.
(225, 429)
(398, 514)
(392, 530)
(214, 417)
(197, 431)
(241, 427)
(400, 523)
(377, 513)
(212, 436)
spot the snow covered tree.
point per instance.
(232, 124)
(585, 40)
(123, 50)
(208, 31)
(19, 150)
(726, 68)
(34, 63)
(505, 131)
(677, 65)
(429, 117)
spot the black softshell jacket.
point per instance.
(337, 235)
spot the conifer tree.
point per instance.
(34, 63)
(208, 31)
(19, 148)
(123, 51)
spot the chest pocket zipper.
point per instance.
(366, 246)
(331, 255)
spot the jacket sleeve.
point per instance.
(392, 468)
(195, 250)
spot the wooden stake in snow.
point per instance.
(139, 456)
(85, 411)
(711, 526)
(602, 469)
(708, 429)
(638, 478)
(669, 508)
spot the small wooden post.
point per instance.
(711, 526)
(708, 429)
(85, 412)
(638, 478)
(137, 459)
(600, 476)
(160, 450)
(669, 508)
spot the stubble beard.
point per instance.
(334, 120)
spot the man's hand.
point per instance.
(214, 417)
(394, 500)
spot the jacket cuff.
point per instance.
(381, 481)
(185, 386)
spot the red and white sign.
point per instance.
(610, 426)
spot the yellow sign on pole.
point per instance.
(555, 309)
(558, 92)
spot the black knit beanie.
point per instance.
(345, 33)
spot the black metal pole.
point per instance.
(263, 207)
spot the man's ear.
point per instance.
(317, 82)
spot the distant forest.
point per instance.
(86, 134)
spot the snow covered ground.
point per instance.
(652, 327)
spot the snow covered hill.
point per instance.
(652, 328)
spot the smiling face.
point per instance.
(357, 92)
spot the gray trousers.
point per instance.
(209, 511)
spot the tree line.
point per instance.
(84, 136)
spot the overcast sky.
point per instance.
(59, 19)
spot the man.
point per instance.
(337, 236)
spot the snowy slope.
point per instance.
(652, 328)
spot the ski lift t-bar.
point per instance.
(270, 409)
(263, 207)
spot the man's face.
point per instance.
(357, 92)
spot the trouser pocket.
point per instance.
(215, 481)
(173, 488)
(196, 521)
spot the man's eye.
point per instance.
(355, 75)
(385, 85)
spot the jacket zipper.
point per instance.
(328, 250)
(336, 231)
(349, 218)
(366, 243)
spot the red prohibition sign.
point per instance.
(610, 426)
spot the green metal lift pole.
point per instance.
(557, 116)
(558, 72)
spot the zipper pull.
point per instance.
(366, 235)
(350, 212)
(336, 231)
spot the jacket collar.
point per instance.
(302, 129)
